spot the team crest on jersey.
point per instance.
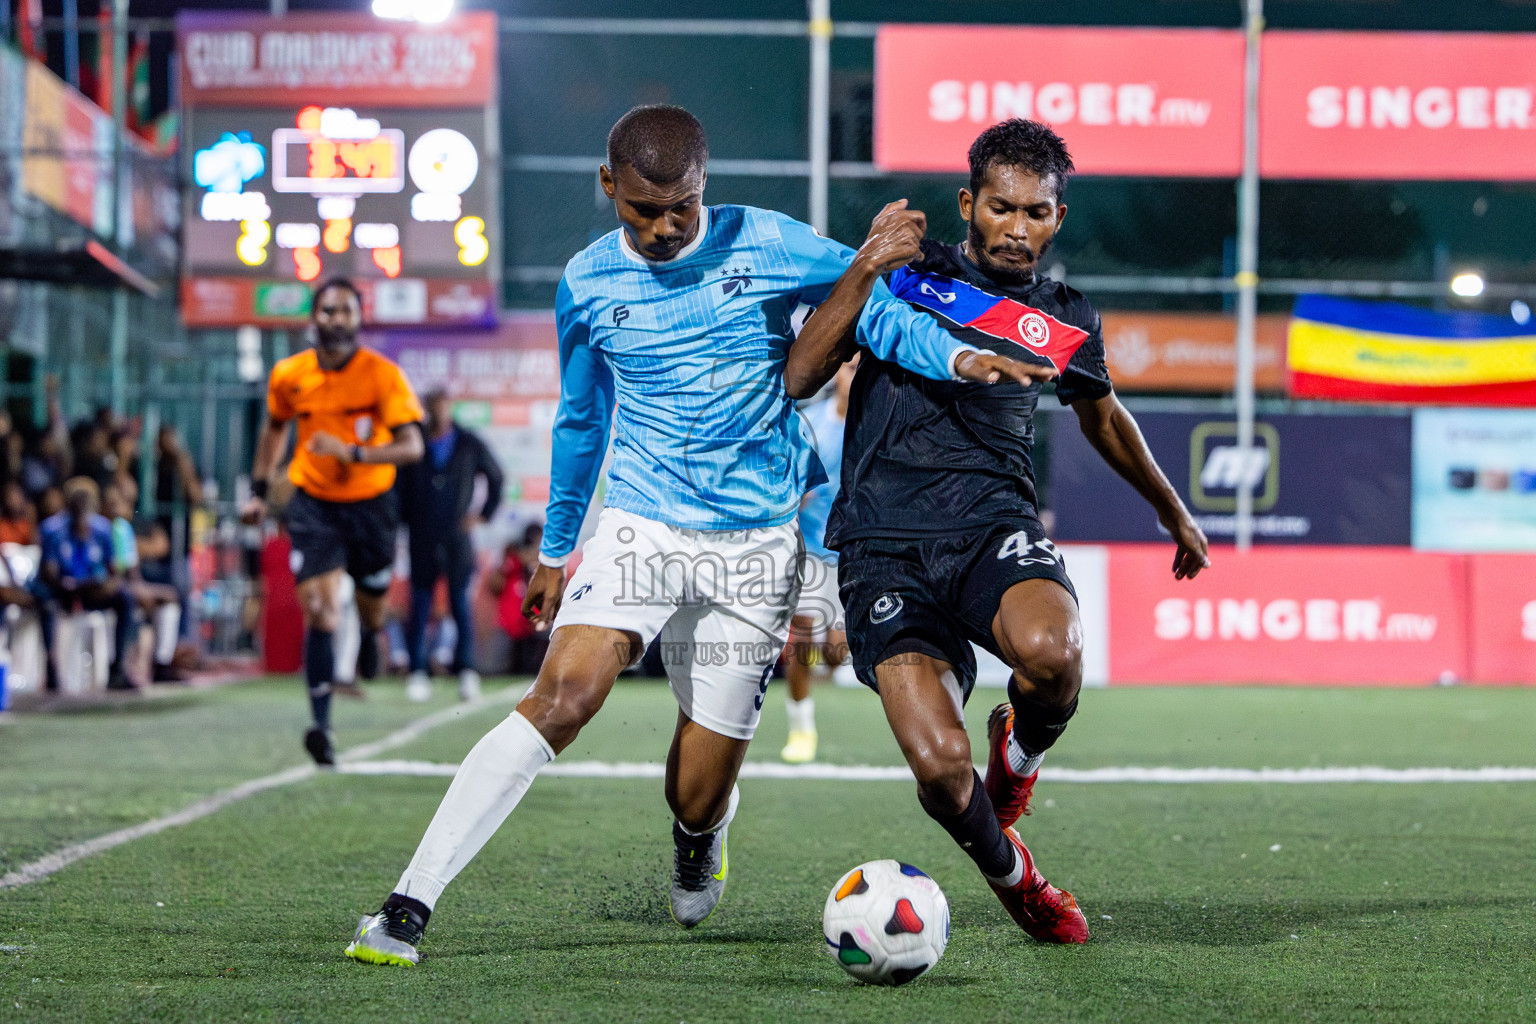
(362, 428)
(737, 279)
(581, 592)
(885, 608)
(1034, 330)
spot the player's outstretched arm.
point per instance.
(829, 339)
(1111, 429)
(894, 331)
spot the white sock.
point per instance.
(167, 625)
(1014, 877)
(1023, 765)
(730, 812)
(802, 714)
(490, 782)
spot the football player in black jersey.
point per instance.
(937, 525)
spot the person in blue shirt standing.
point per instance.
(77, 574)
(435, 496)
(820, 611)
(675, 339)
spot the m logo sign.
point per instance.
(1218, 467)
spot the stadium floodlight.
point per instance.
(1468, 284)
(426, 11)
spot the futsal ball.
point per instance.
(886, 922)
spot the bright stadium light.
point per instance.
(427, 11)
(1468, 284)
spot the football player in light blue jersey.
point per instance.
(674, 329)
(817, 628)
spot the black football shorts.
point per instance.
(938, 595)
(358, 536)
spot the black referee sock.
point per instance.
(978, 833)
(319, 670)
(368, 655)
(1037, 725)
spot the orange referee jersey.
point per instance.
(361, 403)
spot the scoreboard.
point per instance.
(367, 172)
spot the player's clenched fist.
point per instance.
(895, 236)
(543, 598)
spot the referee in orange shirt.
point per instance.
(358, 419)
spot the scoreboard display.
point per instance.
(382, 180)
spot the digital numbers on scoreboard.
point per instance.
(376, 195)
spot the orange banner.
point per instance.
(1189, 351)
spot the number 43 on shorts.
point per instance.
(1030, 552)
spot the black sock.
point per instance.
(368, 655)
(1037, 725)
(319, 669)
(415, 906)
(978, 833)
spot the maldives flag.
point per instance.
(1035, 336)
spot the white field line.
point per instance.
(59, 859)
(881, 773)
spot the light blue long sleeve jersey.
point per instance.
(826, 428)
(691, 351)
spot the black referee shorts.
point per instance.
(358, 536)
(938, 595)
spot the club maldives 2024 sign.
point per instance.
(1169, 102)
(326, 144)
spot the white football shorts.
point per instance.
(719, 600)
(819, 600)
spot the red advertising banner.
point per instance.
(68, 150)
(1503, 638)
(231, 59)
(1398, 105)
(1156, 101)
(1355, 616)
(221, 301)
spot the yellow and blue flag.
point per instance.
(1352, 350)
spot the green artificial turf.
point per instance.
(1381, 903)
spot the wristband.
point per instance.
(357, 453)
(259, 489)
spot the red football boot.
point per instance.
(1047, 913)
(1008, 792)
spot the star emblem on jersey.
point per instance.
(885, 608)
(737, 279)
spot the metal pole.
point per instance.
(1247, 279)
(820, 88)
(119, 42)
(72, 43)
(279, 8)
(118, 353)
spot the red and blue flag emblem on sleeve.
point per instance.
(1044, 339)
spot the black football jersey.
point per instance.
(922, 457)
